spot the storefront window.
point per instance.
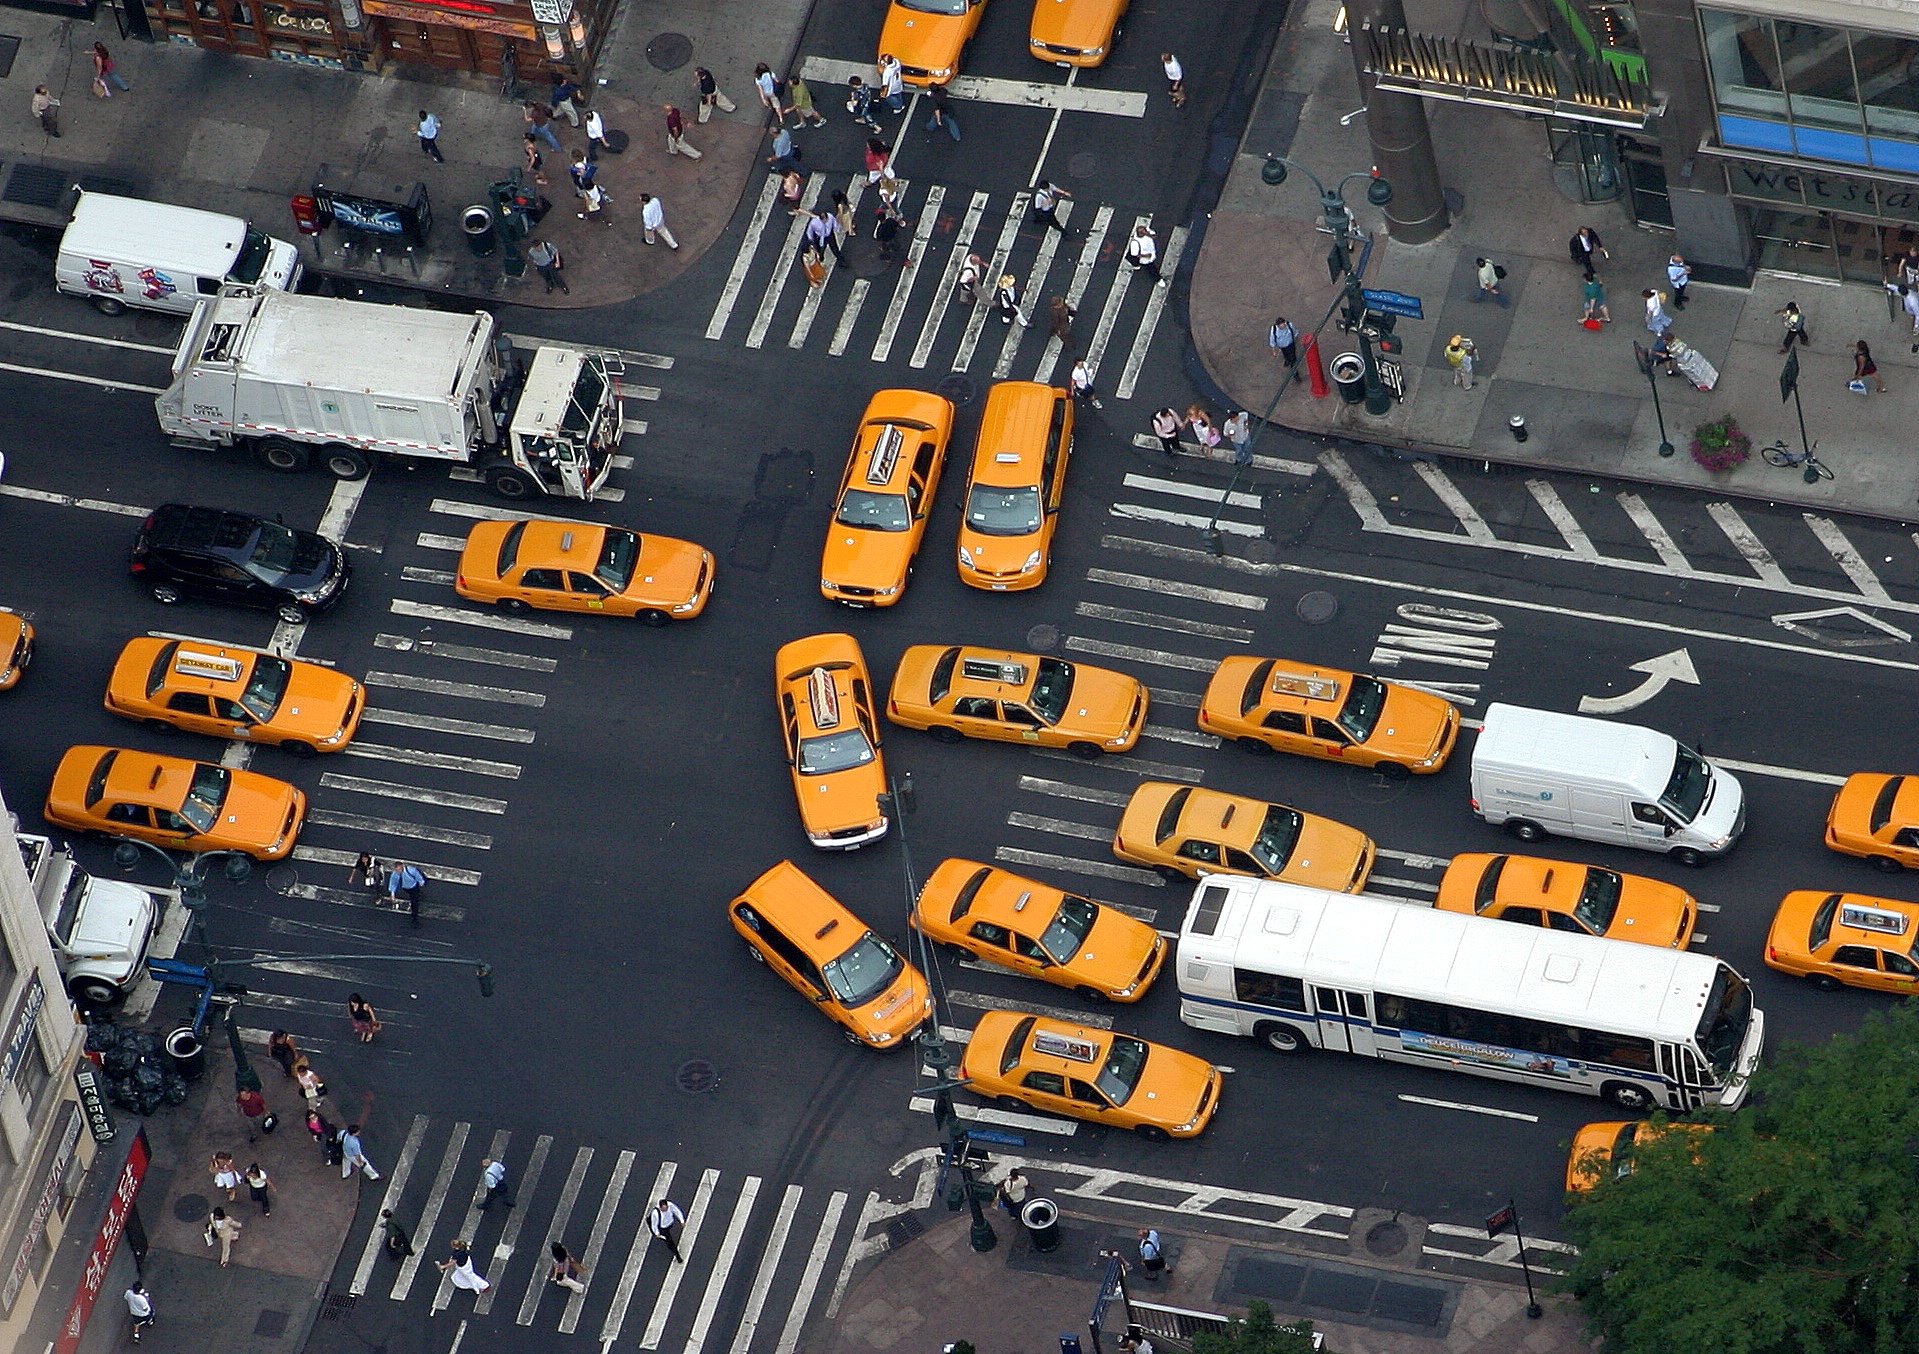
(1825, 103)
(1888, 73)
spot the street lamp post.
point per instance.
(1644, 358)
(189, 875)
(1338, 219)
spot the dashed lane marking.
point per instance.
(1470, 1109)
(69, 501)
(72, 337)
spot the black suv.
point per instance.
(237, 558)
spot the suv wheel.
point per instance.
(166, 594)
(291, 614)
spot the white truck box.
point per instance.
(101, 929)
(1540, 773)
(123, 251)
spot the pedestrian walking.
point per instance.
(823, 233)
(540, 118)
(1175, 78)
(322, 1133)
(1081, 382)
(284, 1050)
(1658, 322)
(936, 98)
(886, 230)
(892, 82)
(1283, 339)
(1012, 1191)
(364, 1019)
(1795, 326)
(676, 143)
(1596, 312)
(785, 155)
(653, 221)
(367, 873)
(802, 96)
(509, 71)
(1909, 298)
(1060, 325)
(1460, 354)
(710, 96)
(877, 156)
(535, 163)
(405, 882)
(1006, 301)
(545, 256)
(225, 1231)
(493, 1177)
(353, 1155)
(1238, 429)
(596, 135)
(1142, 251)
(565, 91)
(843, 215)
(1679, 273)
(1135, 1344)
(140, 1309)
(394, 1239)
(46, 110)
(1584, 246)
(254, 1106)
(458, 1266)
(768, 88)
(226, 1175)
(1152, 1256)
(582, 171)
(859, 102)
(665, 1221)
(1046, 200)
(792, 189)
(1489, 275)
(1166, 426)
(259, 1188)
(1201, 423)
(565, 1270)
(1865, 369)
(106, 73)
(310, 1084)
(973, 271)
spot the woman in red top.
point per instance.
(106, 72)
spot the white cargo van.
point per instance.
(121, 251)
(101, 929)
(1539, 773)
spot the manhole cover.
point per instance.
(1083, 167)
(283, 879)
(698, 1075)
(669, 51)
(1261, 551)
(191, 1207)
(1386, 1238)
(958, 388)
(1043, 638)
(1316, 608)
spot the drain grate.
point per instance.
(1348, 1293)
(907, 1227)
(35, 186)
(697, 1075)
(336, 1306)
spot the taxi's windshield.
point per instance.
(201, 807)
(1052, 689)
(1686, 792)
(619, 557)
(1598, 901)
(955, 7)
(1359, 716)
(834, 752)
(1277, 837)
(875, 512)
(1069, 928)
(995, 511)
(863, 972)
(1120, 1077)
(267, 688)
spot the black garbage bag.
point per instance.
(146, 1102)
(102, 1035)
(150, 1046)
(173, 1089)
(120, 1061)
(121, 1093)
(148, 1076)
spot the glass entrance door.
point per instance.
(1797, 243)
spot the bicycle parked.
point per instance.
(1779, 454)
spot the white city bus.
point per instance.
(1299, 968)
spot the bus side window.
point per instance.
(1392, 1010)
(1269, 989)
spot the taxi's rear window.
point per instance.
(1882, 806)
(1822, 922)
(1489, 884)
(942, 680)
(1255, 686)
(1169, 816)
(157, 677)
(963, 900)
(510, 546)
(1016, 1045)
(97, 785)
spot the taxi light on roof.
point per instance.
(566, 541)
(1879, 919)
(189, 663)
(827, 929)
(1065, 1046)
(824, 698)
(994, 670)
(1312, 688)
(1024, 899)
(1007, 457)
(886, 455)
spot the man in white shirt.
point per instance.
(653, 221)
(664, 1220)
(1142, 251)
(140, 1308)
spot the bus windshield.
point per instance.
(1685, 793)
(1723, 1025)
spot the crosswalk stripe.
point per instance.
(1412, 885)
(736, 278)
(1082, 278)
(783, 263)
(499, 733)
(502, 695)
(430, 1215)
(1099, 869)
(915, 259)
(1132, 653)
(1034, 288)
(992, 1114)
(389, 827)
(948, 288)
(1847, 558)
(467, 475)
(1059, 827)
(993, 89)
(1279, 465)
(1115, 298)
(529, 1181)
(395, 1186)
(1746, 541)
(320, 893)
(989, 285)
(669, 1290)
(562, 1214)
(444, 874)
(470, 1226)
(810, 1277)
(1183, 700)
(635, 1259)
(1131, 764)
(981, 1001)
(1654, 531)
(1200, 492)
(387, 789)
(629, 356)
(1048, 246)
(1417, 860)
(485, 620)
(1149, 322)
(803, 323)
(475, 766)
(763, 1276)
(1189, 737)
(433, 540)
(433, 648)
(1153, 620)
(1140, 512)
(722, 1265)
(412, 573)
(596, 1239)
(1562, 518)
(1060, 789)
(1448, 493)
(1192, 592)
(855, 300)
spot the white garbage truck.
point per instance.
(311, 380)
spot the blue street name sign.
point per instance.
(1394, 303)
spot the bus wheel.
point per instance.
(1625, 1095)
(1281, 1038)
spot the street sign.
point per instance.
(1394, 303)
(1391, 377)
(1789, 377)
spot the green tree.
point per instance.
(1258, 1334)
(1793, 1226)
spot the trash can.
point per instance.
(1041, 1218)
(477, 222)
(185, 1051)
(1349, 374)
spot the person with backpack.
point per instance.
(1142, 251)
(973, 272)
(859, 102)
(1006, 300)
(1490, 275)
(545, 256)
(1283, 339)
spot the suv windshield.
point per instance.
(1685, 793)
(1052, 689)
(875, 512)
(1277, 837)
(1598, 901)
(1722, 1028)
(619, 556)
(1359, 716)
(253, 257)
(201, 807)
(280, 553)
(1003, 512)
(863, 972)
(267, 688)
(1069, 928)
(834, 752)
(1120, 1076)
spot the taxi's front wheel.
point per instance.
(1153, 1133)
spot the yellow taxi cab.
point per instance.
(956, 692)
(886, 497)
(1014, 491)
(1569, 897)
(236, 693)
(16, 648)
(1185, 830)
(576, 566)
(1877, 816)
(1043, 932)
(832, 740)
(175, 803)
(1074, 32)
(1838, 940)
(1602, 1152)
(1273, 704)
(927, 37)
(1028, 1061)
(807, 936)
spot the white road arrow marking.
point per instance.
(1669, 667)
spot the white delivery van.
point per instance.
(101, 929)
(1541, 774)
(121, 251)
